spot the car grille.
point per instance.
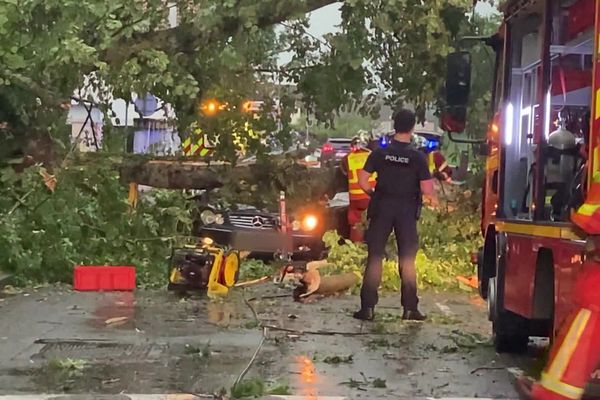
(252, 221)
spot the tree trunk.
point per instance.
(171, 175)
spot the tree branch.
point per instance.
(187, 37)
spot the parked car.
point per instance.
(260, 232)
(334, 150)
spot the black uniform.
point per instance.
(396, 206)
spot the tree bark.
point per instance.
(171, 175)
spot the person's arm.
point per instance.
(365, 174)
(426, 183)
(344, 166)
(443, 169)
(363, 181)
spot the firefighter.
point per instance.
(576, 353)
(402, 178)
(438, 166)
(351, 166)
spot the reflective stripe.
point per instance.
(569, 345)
(356, 162)
(431, 163)
(598, 104)
(588, 209)
(561, 388)
(596, 166)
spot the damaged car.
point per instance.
(263, 233)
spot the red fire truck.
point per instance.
(542, 152)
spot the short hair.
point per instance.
(404, 121)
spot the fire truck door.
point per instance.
(586, 217)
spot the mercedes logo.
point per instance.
(258, 222)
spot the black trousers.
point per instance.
(389, 215)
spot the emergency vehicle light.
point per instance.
(432, 144)
(547, 116)
(509, 124)
(383, 141)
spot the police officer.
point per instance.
(403, 177)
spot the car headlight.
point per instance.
(219, 220)
(309, 223)
(208, 217)
(296, 225)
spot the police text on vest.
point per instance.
(397, 159)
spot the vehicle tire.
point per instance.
(482, 279)
(508, 329)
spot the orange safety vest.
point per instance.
(356, 162)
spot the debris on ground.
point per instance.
(311, 282)
(257, 387)
(377, 383)
(339, 359)
(116, 321)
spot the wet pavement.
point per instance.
(54, 340)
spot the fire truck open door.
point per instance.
(587, 216)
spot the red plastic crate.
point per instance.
(103, 279)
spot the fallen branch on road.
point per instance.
(318, 333)
(487, 369)
(257, 351)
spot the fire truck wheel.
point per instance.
(483, 281)
(508, 329)
(510, 343)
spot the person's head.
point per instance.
(404, 122)
(355, 144)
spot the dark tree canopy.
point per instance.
(226, 49)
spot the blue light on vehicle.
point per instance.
(432, 144)
(383, 141)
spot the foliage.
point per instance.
(447, 240)
(254, 269)
(85, 221)
(352, 257)
(219, 49)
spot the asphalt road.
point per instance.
(54, 340)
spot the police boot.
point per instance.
(365, 314)
(413, 315)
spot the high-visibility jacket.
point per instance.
(576, 352)
(356, 162)
(587, 217)
(438, 164)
